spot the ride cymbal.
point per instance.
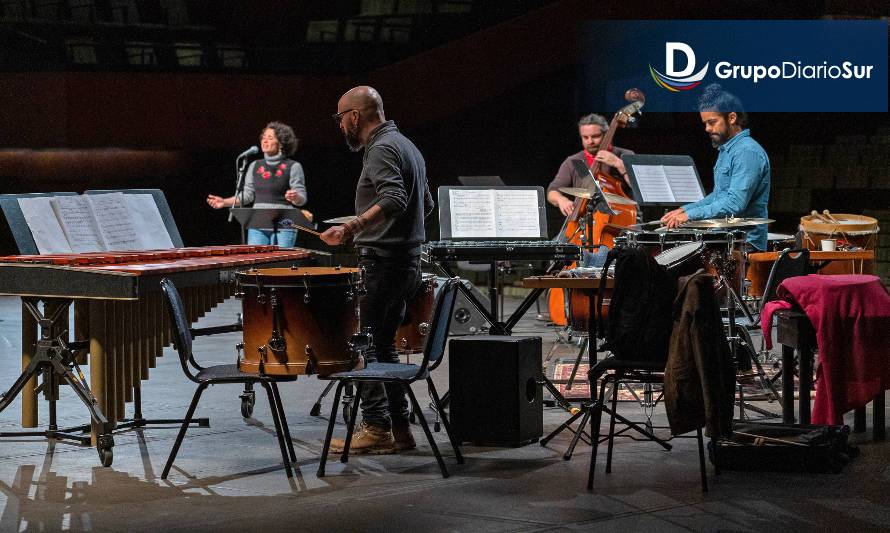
(588, 193)
(726, 223)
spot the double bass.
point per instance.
(605, 224)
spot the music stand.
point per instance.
(273, 218)
(663, 180)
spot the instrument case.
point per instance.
(783, 448)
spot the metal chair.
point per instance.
(405, 374)
(626, 372)
(789, 263)
(219, 374)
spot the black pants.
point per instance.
(390, 282)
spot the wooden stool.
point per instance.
(794, 331)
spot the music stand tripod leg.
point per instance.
(585, 344)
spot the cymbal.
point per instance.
(340, 220)
(588, 193)
(727, 223)
(779, 237)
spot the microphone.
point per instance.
(253, 150)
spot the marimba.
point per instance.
(119, 317)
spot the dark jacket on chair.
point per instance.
(699, 381)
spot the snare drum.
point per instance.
(300, 320)
(686, 259)
(411, 335)
(656, 242)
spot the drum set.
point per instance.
(716, 246)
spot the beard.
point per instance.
(350, 134)
(717, 139)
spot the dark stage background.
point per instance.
(498, 99)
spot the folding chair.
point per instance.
(405, 374)
(219, 374)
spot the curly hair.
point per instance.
(594, 120)
(287, 141)
(715, 98)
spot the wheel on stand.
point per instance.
(346, 401)
(104, 447)
(248, 400)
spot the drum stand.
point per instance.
(585, 228)
(732, 300)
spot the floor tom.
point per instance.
(411, 335)
(300, 320)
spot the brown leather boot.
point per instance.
(367, 439)
(403, 438)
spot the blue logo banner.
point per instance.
(770, 65)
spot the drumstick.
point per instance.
(304, 228)
(837, 224)
(819, 217)
(769, 439)
(831, 218)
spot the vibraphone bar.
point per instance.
(120, 323)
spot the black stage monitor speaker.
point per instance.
(495, 393)
(466, 319)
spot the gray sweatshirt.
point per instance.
(393, 177)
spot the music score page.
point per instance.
(667, 183)
(494, 213)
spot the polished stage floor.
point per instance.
(228, 477)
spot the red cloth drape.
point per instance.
(851, 316)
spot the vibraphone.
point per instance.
(120, 321)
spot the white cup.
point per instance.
(829, 245)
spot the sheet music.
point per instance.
(77, 222)
(114, 222)
(150, 226)
(517, 213)
(684, 183)
(45, 229)
(667, 183)
(653, 183)
(472, 214)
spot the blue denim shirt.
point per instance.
(741, 186)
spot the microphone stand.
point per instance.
(241, 165)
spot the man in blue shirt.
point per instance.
(742, 171)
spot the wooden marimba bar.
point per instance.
(118, 307)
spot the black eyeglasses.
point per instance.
(339, 116)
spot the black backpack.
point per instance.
(640, 312)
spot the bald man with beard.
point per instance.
(392, 199)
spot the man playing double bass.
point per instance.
(591, 128)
